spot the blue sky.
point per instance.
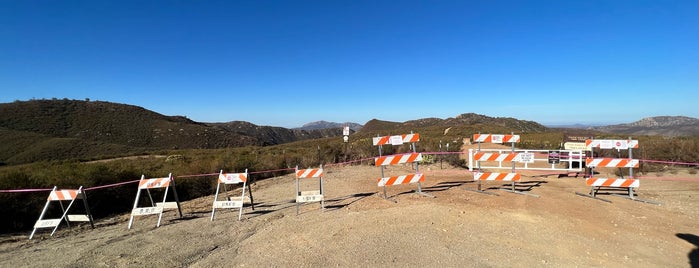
(286, 63)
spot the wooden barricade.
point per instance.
(313, 195)
(232, 201)
(60, 196)
(155, 208)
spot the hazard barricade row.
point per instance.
(312, 195)
(155, 208)
(232, 202)
(409, 158)
(597, 184)
(58, 196)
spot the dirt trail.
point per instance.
(457, 228)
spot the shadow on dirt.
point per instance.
(352, 197)
(694, 254)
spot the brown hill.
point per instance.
(64, 129)
(657, 126)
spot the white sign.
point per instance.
(228, 204)
(621, 144)
(524, 158)
(231, 178)
(345, 131)
(497, 138)
(77, 217)
(167, 205)
(575, 146)
(146, 211)
(396, 140)
(606, 144)
(47, 223)
(309, 198)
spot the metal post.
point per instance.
(322, 201)
(242, 197)
(513, 162)
(630, 170)
(297, 189)
(87, 208)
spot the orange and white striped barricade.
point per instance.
(501, 177)
(155, 208)
(611, 144)
(313, 195)
(411, 158)
(494, 138)
(593, 163)
(232, 201)
(408, 158)
(500, 157)
(597, 184)
(60, 196)
(611, 162)
(396, 139)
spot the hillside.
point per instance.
(658, 125)
(63, 129)
(467, 119)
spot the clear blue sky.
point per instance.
(286, 63)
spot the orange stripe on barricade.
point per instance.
(230, 178)
(484, 156)
(612, 162)
(494, 176)
(406, 138)
(403, 179)
(606, 182)
(309, 173)
(154, 183)
(397, 159)
(495, 138)
(63, 195)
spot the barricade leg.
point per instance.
(87, 209)
(41, 216)
(419, 191)
(213, 209)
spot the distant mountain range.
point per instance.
(658, 125)
(326, 124)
